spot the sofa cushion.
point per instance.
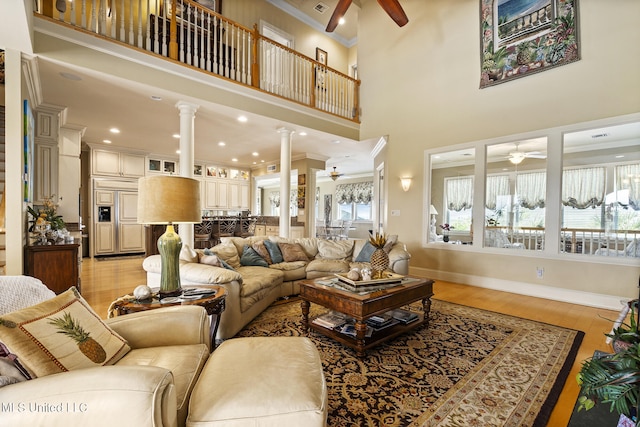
(335, 249)
(187, 254)
(251, 257)
(241, 242)
(228, 253)
(262, 251)
(59, 335)
(365, 253)
(274, 251)
(295, 270)
(292, 252)
(255, 279)
(184, 361)
(325, 267)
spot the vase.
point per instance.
(379, 263)
(445, 238)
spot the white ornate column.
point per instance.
(285, 181)
(187, 159)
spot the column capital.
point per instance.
(286, 131)
(187, 107)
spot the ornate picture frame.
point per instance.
(321, 56)
(522, 37)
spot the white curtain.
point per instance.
(497, 185)
(531, 189)
(628, 178)
(584, 187)
(459, 193)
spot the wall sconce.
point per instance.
(406, 183)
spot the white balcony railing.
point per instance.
(197, 37)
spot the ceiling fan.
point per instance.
(335, 174)
(516, 157)
(392, 7)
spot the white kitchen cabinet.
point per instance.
(238, 195)
(216, 194)
(113, 163)
(46, 172)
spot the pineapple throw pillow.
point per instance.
(60, 334)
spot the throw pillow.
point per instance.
(262, 251)
(335, 249)
(365, 254)
(251, 257)
(208, 258)
(228, 253)
(292, 252)
(392, 239)
(274, 251)
(187, 254)
(60, 334)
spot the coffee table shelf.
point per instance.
(363, 306)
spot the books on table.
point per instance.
(331, 320)
(404, 316)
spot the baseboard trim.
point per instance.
(590, 299)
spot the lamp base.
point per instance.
(169, 245)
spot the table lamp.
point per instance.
(169, 200)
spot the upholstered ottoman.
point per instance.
(260, 382)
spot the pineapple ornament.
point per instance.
(379, 258)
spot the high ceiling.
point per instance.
(148, 118)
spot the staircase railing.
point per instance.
(191, 34)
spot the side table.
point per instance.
(213, 304)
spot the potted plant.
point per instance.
(445, 231)
(615, 378)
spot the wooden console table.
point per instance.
(55, 265)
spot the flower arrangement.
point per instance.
(46, 215)
(446, 227)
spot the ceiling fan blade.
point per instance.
(340, 10)
(395, 11)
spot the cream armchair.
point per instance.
(150, 386)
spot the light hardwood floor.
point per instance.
(104, 281)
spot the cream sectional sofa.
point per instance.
(252, 288)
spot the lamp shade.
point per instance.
(168, 199)
(432, 210)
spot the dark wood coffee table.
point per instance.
(363, 306)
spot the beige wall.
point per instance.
(250, 12)
(421, 88)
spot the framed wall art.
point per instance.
(321, 56)
(523, 37)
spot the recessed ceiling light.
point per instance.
(156, 98)
(242, 119)
(336, 141)
(106, 141)
(222, 143)
(177, 151)
(176, 135)
(303, 133)
(341, 21)
(620, 156)
(234, 160)
(114, 130)
(71, 76)
(255, 163)
(255, 154)
(261, 161)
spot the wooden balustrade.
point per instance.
(187, 32)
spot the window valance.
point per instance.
(628, 181)
(497, 185)
(459, 193)
(360, 192)
(583, 187)
(531, 189)
(274, 198)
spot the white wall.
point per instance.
(420, 86)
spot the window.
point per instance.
(354, 201)
(600, 212)
(592, 205)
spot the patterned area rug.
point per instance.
(469, 367)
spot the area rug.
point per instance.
(469, 367)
